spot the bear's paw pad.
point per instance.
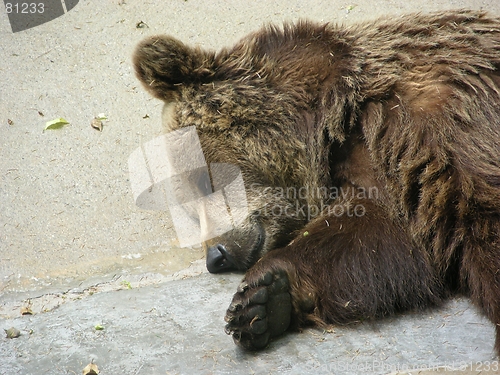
(261, 309)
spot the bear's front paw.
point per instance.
(261, 309)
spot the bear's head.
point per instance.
(259, 106)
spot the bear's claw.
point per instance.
(260, 310)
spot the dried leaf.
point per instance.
(58, 123)
(26, 310)
(12, 333)
(96, 124)
(91, 369)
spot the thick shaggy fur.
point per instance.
(408, 106)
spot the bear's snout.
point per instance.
(218, 259)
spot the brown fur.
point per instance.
(409, 106)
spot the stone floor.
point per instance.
(153, 326)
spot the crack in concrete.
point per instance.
(50, 301)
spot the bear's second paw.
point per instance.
(261, 309)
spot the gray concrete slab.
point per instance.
(71, 236)
(176, 327)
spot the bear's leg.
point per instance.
(480, 270)
(346, 266)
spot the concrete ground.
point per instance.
(77, 252)
(176, 327)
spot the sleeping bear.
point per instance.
(370, 156)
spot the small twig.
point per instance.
(43, 54)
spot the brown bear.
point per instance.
(370, 156)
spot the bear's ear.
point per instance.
(164, 64)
